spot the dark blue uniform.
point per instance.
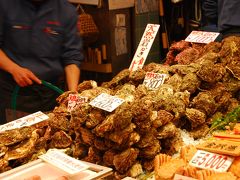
(224, 13)
(42, 38)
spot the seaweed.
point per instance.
(221, 122)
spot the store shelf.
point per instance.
(113, 4)
(89, 2)
(102, 68)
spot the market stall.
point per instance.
(146, 123)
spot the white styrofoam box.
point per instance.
(50, 172)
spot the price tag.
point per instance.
(106, 102)
(64, 162)
(180, 177)
(207, 160)
(75, 100)
(154, 80)
(202, 37)
(144, 47)
(24, 121)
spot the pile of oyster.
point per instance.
(149, 121)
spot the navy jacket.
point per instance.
(42, 39)
(225, 13)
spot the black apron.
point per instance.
(29, 99)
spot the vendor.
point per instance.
(224, 13)
(38, 41)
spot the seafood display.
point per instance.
(202, 81)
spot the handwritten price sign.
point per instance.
(63, 161)
(207, 160)
(106, 102)
(144, 47)
(24, 121)
(201, 37)
(75, 100)
(154, 80)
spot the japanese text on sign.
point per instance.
(207, 160)
(75, 100)
(154, 80)
(106, 102)
(144, 47)
(25, 121)
(202, 37)
(63, 161)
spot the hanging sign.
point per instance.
(24, 121)
(106, 102)
(144, 47)
(154, 80)
(75, 100)
(64, 162)
(206, 160)
(202, 37)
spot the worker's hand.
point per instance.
(24, 77)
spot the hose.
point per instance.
(16, 90)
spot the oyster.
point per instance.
(119, 136)
(190, 82)
(211, 72)
(60, 140)
(23, 149)
(204, 102)
(195, 117)
(87, 136)
(94, 118)
(167, 131)
(163, 117)
(124, 161)
(234, 68)
(85, 85)
(14, 136)
(187, 56)
(121, 78)
(108, 157)
(151, 151)
(3, 150)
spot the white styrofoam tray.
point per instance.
(49, 172)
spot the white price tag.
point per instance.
(206, 160)
(64, 162)
(202, 37)
(75, 100)
(154, 80)
(24, 121)
(144, 47)
(106, 102)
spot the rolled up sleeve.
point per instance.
(72, 47)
